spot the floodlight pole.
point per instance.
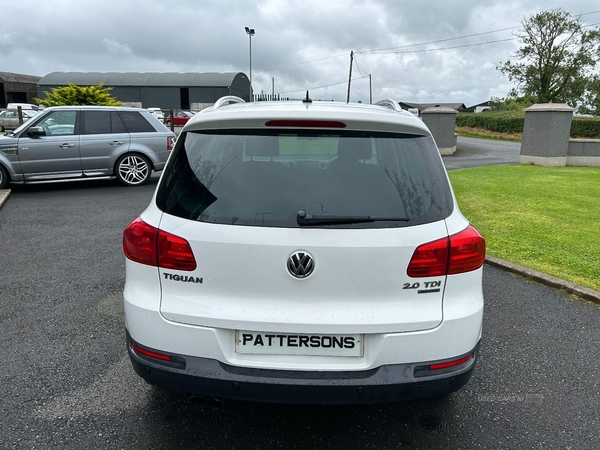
(350, 76)
(250, 32)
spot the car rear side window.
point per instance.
(135, 122)
(249, 178)
(102, 122)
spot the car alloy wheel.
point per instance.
(133, 170)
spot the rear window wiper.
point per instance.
(303, 218)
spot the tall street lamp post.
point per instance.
(250, 32)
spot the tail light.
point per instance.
(459, 253)
(145, 244)
(170, 143)
(467, 251)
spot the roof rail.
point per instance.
(227, 100)
(389, 103)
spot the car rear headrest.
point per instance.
(354, 148)
(262, 146)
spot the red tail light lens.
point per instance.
(145, 244)
(467, 251)
(170, 143)
(175, 252)
(460, 253)
(429, 260)
(139, 243)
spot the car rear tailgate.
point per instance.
(359, 284)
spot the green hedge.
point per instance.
(586, 127)
(513, 122)
(501, 122)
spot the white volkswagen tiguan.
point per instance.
(304, 252)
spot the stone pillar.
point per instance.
(441, 122)
(546, 134)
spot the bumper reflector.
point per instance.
(150, 354)
(447, 364)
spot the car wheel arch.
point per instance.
(4, 177)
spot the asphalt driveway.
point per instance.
(472, 152)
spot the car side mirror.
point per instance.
(36, 131)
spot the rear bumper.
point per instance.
(388, 383)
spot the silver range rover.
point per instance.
(81, 142)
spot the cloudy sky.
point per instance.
(418, 51)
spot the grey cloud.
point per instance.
(209, 36)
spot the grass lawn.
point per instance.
(543, 218)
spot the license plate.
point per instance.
(251, 342)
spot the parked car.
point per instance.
(157, 112)
(304, 252)
(83, 142)
(9, 119)
(180, 118)
(24, 106)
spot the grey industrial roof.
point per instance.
(139, 79)
(9, 77)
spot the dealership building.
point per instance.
(165, 90)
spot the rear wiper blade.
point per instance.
(303, 218)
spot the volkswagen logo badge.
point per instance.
(300, 264)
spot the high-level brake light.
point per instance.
(305, 123)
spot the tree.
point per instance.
(591, 103)
(79, 95)
(556, 60)
(511, 103)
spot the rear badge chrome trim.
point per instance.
(300, 264)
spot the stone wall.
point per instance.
(583, 152)
(546, 139)
(441, 121)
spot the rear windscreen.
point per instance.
(242, 177)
